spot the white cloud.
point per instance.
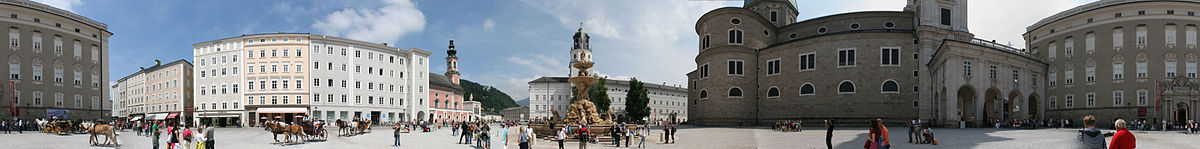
(541, 64)
(651, 40)
(998, 21)
(489, 24)
(385, 24)
(68, 5)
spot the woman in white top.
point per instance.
(562, 136)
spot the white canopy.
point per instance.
(135, 118)
(155, 117)
(282, 110)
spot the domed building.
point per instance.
(757, 64)
(1127, 59)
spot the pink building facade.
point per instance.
(445, 94)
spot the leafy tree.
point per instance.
(599, 95)
(636, 101)
(574, 93)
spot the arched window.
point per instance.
(773, 92)
(890, 86)
(703, 94)
(735, 92)
(806, 89)
(846, 87)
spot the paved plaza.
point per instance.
(690, 138)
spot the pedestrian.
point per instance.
(466, 134)
(524, 139)
(20, 125)
(209, 141)
(172, 136)
(1091, 137)
(562, 136)
(582, 134)
(505, 132)
(1122, 139)
(615, 132)
(486, 137)
(911, 126)
(872, 136)
(628, 135)
(396, 134)
(666, 134)
(154, 133)
(642, 133)
(532, 135)
(674, 131)
(187, 137)
(829, 133)
(883, 133)
(453, 131)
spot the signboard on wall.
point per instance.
(59, 113)
(1141, 111)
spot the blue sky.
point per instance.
(501, 43)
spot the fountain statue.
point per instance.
(583, 111)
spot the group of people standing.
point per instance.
(475, 131)
(787, 126)
(922, 132)
(1092, 138)
(179, 136)
(18, 125)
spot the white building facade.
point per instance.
(554, 93)
(284, 75)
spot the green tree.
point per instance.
(599, 95)
(574, 94)
(636, 101)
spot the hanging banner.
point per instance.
(58, 113)
(12, 106)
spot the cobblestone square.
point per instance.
(689, 138)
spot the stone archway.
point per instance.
(1011, 106)
(1181, 112)
(992, 109)
(1034, 106)
(420, 116)
(966, 104)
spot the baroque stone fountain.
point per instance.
(583, 111)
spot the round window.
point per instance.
(889, 25)
(792, 36)
(765, 33)
(854, 26)
(736, 21)
(822, 30)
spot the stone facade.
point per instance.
(1110, 58)
(56, 62)
(756, 66)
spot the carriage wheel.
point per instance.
(322, 135)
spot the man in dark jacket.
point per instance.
(1091, 137)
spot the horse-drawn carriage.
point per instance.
(349, 128)
(59, 127)
(301, 132)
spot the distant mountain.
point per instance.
(523, 102)
(493, 99)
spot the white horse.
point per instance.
(41, 124)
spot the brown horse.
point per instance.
(103, 129)
(295, 131)
(276, 128)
